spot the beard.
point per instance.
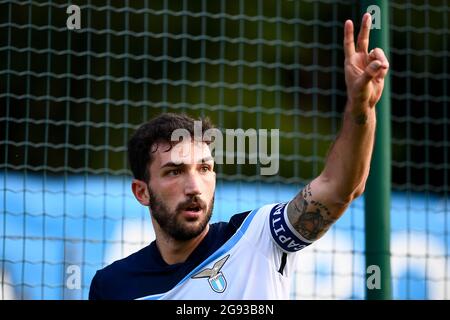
(171, 222)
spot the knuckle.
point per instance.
(378, 51)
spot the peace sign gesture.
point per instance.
(364, 71)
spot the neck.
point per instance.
(176, 251)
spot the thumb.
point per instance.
(371, 71)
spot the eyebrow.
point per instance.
(180, 164)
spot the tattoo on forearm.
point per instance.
(307, 191)
(312, 225)
(310, 218)
(361, 119)
(301, 208)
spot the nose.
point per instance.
(192, 184)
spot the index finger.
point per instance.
(349, 41)
(363, 36)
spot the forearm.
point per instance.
(319, 204)
(348, 162)
(325, 199)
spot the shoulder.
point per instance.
(243, 219)
(226, 230)
(133, 261)
(222, 231)
(219, 233)
(119, 272)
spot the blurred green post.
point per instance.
(378, 188)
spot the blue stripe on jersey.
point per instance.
(227, 246)
(281, 232)
(145, 273)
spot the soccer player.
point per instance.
(253, 255)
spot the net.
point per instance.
(70, 99)
(420, 148)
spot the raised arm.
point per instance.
(315, 208)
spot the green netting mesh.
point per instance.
(420, 148)
(70, 99)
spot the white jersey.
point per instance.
(256, 262)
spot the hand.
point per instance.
(364, 72)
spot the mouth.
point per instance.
(192, 211)
(193, 208)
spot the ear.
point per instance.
(140, 192)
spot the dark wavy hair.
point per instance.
(145, 140)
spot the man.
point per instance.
(253, 255)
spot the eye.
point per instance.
(205, 168)
(174, 172)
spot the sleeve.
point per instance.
(94, 291)
(270, 234)
(283, 233)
